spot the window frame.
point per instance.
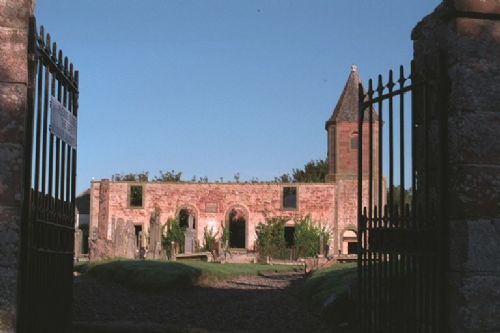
(129, 196)
(353, 135)
(296, 199)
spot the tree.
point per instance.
(313, 172)
(284, 178)
(168, 176)
(397, 196)
(141, 177)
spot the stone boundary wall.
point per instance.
(258, 200)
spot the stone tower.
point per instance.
(342, 128)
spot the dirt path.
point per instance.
(245, 304)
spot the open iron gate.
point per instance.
(401, 235)
(49, 199)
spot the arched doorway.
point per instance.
(237, 223)
(187, 217)
(349, 242)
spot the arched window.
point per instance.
(349, 242)
(354, 140)
(187, 217)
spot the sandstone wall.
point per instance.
(211, 202)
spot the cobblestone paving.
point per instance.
(245, 304)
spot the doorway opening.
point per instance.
(237, 228)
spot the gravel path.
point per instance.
(245, 304)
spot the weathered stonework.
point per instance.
(14, 19)
(258, 200)
(467, 34)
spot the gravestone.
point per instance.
(189, 236)
(124, 240)
(154, 244)
(78, 242)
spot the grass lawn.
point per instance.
(149, 275)
(318, 287)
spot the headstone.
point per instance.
(189, 241)
(78, 242)
(124, 240)
(173, 251)
(154, 244)
(321, 246)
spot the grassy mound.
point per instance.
(323, 283)
(153, 276)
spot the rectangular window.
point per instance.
(354, 141)
(135, 198)
(352, 248)
(289, 198)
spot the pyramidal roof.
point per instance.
(347, 107)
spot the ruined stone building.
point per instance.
(240, 206)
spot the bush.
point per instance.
(271, 238)
(174, 233)
(307, 237)
(209, 240)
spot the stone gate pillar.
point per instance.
(467, 34)
(14, 25)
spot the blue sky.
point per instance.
(216, 87)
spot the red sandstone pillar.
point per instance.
(467, 34)
(14, 24)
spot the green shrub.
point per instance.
(307, 237)
(271, 238)
(209, 239)
(173, 233)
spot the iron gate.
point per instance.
(401, 235)
(49, 202)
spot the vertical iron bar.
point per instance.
(370, 203)
(38, 137)
(402, 138)
(63, 151)
(391, 144)
(58, 143)
(360, 208)
(51, 137)
(390, 214)
(379, 254)
(380, 91)
(45, 121)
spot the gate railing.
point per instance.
(49, 199)
(400, 261)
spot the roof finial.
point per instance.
(354, 68)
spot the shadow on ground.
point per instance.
(244, 304)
